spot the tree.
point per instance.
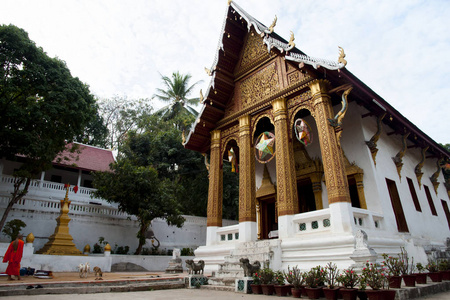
(139, 191)
(121, 115)
(42, 107)
(176, 91)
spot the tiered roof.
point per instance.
(87, 158)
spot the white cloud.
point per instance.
(399, 49)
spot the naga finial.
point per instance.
(229, 2)
(201, 96)
(183, 137)
(274, 23)
(208, 71)
(341, 56)
(291, 40)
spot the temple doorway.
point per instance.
(268, 226)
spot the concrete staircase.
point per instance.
(265, 252)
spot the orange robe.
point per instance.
(13, 258)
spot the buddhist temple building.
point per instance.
(327, 168)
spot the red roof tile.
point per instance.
(87, 158)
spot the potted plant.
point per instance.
(393, 265)
(421, 277)
(332, 272)
(348, 279)
(296, 278)
(444, 269)
(362, 288)
(256, 285)
(279, 286)
(266, 276)
(314, 279)
(374, 277)
(406, 268)
(433, 269)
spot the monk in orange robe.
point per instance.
(13, 256)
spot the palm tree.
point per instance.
(176, 91)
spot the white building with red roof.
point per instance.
(91, 218)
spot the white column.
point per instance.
(211, 235)
(341, 217)
(79, 178)
(285, 226)
(42, 179)
(248, 232)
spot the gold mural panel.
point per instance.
(254, 51)
(260, 85)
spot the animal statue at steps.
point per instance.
(195, 268)
(249, 269)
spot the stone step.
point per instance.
(88, 289)
(225, 288)
(221, 281)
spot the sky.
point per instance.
(400, 49)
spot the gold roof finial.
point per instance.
(291, 40)
(201, 96)
(183, 137)
(229, 2)
(274, 23)
(208, 71)
(341, 56)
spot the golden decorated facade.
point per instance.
(263, 84)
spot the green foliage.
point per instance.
(373, 276)
(278, 278)
(13, 227)
(294, 277)
(187, 252)
(136, 187)
(332, 273)
(120, 249)
(420, 267)
(100, 246)
(257, 277)
(315, 277)
(266, 275)
(432, 266)
(122, 115)
(392, 264)
(42, 107)
(348, 278)
(176, 92)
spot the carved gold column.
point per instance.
(333, 160)
(360, 187)
(247, 187)
(316, 180)
(215, 190)
(287, 198)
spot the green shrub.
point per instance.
(12, 228)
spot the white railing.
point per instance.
(313, 221)
(74, 208)
(366, 219)
(51, 189)
(228, 233)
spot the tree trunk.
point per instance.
(16, 196)
(141, 235)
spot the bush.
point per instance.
(12, 228)
(187, 252)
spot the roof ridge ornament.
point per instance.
(291, 40)
(318, 62)
(229, 2)
(341, 56)
(272, 26)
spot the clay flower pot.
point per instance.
(296, 293)
(395, 282)
(280, 290)
(445, 275)
(435, 276)
(374, 294)
(331, 294)
(362, 295)
(349, 294)
(267, 289)
(421, 278)
(410, 280)
(388, 294)
(256, 288)
(313, 293)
